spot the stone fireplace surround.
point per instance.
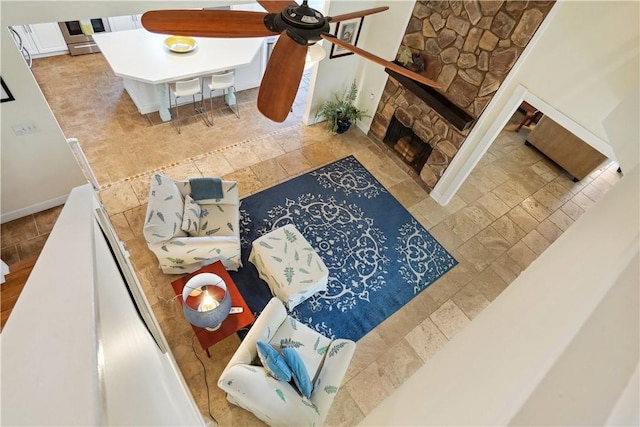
(469, 47)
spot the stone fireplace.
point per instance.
(468, 47)
(408, 146)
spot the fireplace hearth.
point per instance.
(407, 145)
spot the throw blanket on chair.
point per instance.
(206, 188)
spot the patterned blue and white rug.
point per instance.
(379, 257)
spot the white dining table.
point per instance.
(147, 66)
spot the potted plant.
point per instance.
(340, 111)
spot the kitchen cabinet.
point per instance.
(27, 41)
(568, 151)
(42, 39)
(48, 38)
(125, 22)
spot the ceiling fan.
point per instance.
(302, 27)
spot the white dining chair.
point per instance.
(184, 88)
(224, 81)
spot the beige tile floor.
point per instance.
(512, 207)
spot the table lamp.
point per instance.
(206, 301)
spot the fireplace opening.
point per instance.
(407, 145)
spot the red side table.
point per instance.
(233, 323)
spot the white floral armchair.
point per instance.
(278, 403)
(186, 235)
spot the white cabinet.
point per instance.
(48, 38)
(25, 38)
(42, 39)
(126, 22)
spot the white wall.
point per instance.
(335, 75)
(582, 63)
(38, 170)
(49, 344)
(383, 40)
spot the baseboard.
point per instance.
(30, 210)
(440, 198)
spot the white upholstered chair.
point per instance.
(278, 403)
(186, 235)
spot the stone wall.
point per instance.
(468, 47)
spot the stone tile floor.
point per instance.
(513, 206)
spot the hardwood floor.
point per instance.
(11, 289)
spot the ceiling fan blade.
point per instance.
(276, 6)
(387, 64)
(207, 23)
(358, 14)
(281, 79)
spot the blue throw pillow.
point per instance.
(273, 362)
(300, 374)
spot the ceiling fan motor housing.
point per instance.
(302, 23)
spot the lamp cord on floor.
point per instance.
(168, 300)
(205, 380)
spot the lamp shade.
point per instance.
(206, 301)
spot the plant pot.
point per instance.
(343, 125)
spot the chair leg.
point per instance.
(211, 108)
(176, 120)
(203, 106)
(203, 110)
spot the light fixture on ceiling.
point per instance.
(315, 53)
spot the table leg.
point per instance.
(162, 93)
(230, 98)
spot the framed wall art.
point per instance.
(348, 31)
(6, 94)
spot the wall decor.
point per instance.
(347, 31)
(6, 94)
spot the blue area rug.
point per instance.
(379, 257)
